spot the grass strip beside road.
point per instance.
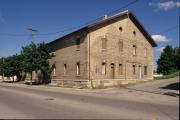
(172, 75)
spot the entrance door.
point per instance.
(140, 74)
(112, 71)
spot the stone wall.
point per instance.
(113, 55)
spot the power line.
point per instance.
(79, 26)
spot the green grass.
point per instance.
(172, 75)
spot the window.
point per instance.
(54, 71)
(78, 43)
(65, 69)
(97, 69)
(78, 68)
(121, 46)
(120, 29)
(145, 52)
(103, 68)
(145, 70)
(104, 43)
(134, 69)
(134, 50)
(120, 69)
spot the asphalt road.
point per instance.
(131, 103)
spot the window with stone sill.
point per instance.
(104, 43)
(120, 45)
(120, 69)
(103, 67)
(78, 44)
(134, 69)
(134, 50)
(65, 69)
(78, 69)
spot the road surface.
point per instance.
(139, 102)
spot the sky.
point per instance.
(55, 18)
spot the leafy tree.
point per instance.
(167, 62)
(30, 56)
(43, 56)
(35, 57)
(12, 66)
(1, 66)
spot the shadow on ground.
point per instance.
(173, 86)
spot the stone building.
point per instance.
(115, 50)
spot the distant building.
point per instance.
(114, 50)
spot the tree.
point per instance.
(1, 66)
(35, 57)
(43, 56)
(167, 62)
(30, 55)
(12, 66)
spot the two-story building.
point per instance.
(114, 50)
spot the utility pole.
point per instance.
(3, 69)
(33, 31)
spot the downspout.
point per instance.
(89, 64)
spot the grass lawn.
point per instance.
(172, 75)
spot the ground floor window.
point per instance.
(78, 68)
(97, 69)
(65, 69)
(103, 68)
(120, 69)
(145, 70)
(134, 69)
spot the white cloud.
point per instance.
(166, 5)
(160, 49)
(159, 38)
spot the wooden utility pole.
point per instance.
(33, 31)
(3, 70)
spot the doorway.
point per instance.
(140, 73)
(112, 71)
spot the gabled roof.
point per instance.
(114, 17)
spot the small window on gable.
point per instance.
(120, 29)
(121, 45)
(134, 32)
(78, 43)
(104, 43)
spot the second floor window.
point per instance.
(145, 52)
(134, 50)
(104, 43)
(145, 70)
(121, 46)
(78, 43)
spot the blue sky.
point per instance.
(52, 16)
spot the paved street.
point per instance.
(149, 101)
